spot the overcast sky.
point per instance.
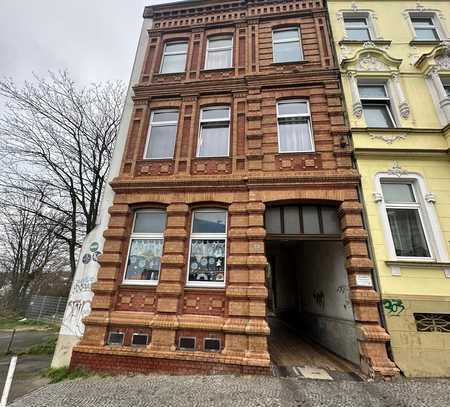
(94, 39)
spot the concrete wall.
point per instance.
(324, 293)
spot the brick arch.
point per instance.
(336, 196)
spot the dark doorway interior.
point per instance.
(309, 310)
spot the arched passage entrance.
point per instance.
(309, 308)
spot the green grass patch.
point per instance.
(46, 348)
(18, 323)
(64, 373)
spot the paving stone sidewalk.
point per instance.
(248, 391)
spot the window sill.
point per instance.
(290, 63)
(144, 284)
(425, 42)
(205, 286)
(157, 159)
(296, 152)
(229, 69)
(418, 263)
(357, 42)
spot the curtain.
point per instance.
(295, 136)
(213, 141)
(162, 141)
(219, 59)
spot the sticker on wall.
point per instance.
(364, 280)
(394, 307)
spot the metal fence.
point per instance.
(46, 309)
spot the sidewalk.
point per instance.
(248, 391)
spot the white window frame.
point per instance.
(143, 236)
(115, 333)
(360, 16)
(174, 53)
(200, 129)
(387, 100)
(436, 24)
(430, 221)
(287, 40)
(161, 124)
(287, 116)
(141, 334)
(209, 49)
(208, 236)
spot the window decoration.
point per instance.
(287, 45)
(214, 137)
(146, 247)
(162, 134)
(302, 220)
(405, 219)
(294, 126)
(219, 53)
(208, 244)
(432, 322)
(174, 57)
(376, 105)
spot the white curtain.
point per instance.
(213, 141)
(162, 142)
(219, 59)
(295, 136)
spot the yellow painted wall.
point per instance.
(421, 145)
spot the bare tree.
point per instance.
(28, 248)
(58, 139)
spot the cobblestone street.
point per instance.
(246, 391)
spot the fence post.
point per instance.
(9, 378)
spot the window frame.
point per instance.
(230, 47)
(288, 116)
(161, 124)
(368, 25)
(200, 129)
(298, 40)
(417, 205)
(386, 101)
(436, 25)
(173, 53)
(143, 236)
(208, 236)
(445, 80)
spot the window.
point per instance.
(286, 45)
(425, 28)
(211, 345)
(405, 219)
(187, 343)
(219, 53)
(208, 248)
(376, 105)
(446, 85)
(162, 134)
(115, 338)
(302, 220)
(139, 339)
(294, 127)
(357, 28)
(174, 57)
(146, 246)
(214, 132)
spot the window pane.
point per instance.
(291, 220)
(214, 140)
(407, 233)
(220, 42)
(210, 222)
(372, 91)
(396, 192)
(273, 220)
(207, 260)
(218, 59)
(355, 22)
(173, 63)
(426, 34)
(294, 136)
(165, 116)
(287, 52)
(144, 260)
(377, 116)
(150, 222)
(178, 47)
(290, 108)
(330, 221)
(215, 113)
(358, 34)
(285, 35)
(422, 21)
(310, 220)
(162, 142)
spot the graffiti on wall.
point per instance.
(319, 298)
(393, 307)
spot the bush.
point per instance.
(47, 348)
(64, 373)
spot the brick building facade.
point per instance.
(253, 121)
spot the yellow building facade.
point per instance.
(394, 58)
